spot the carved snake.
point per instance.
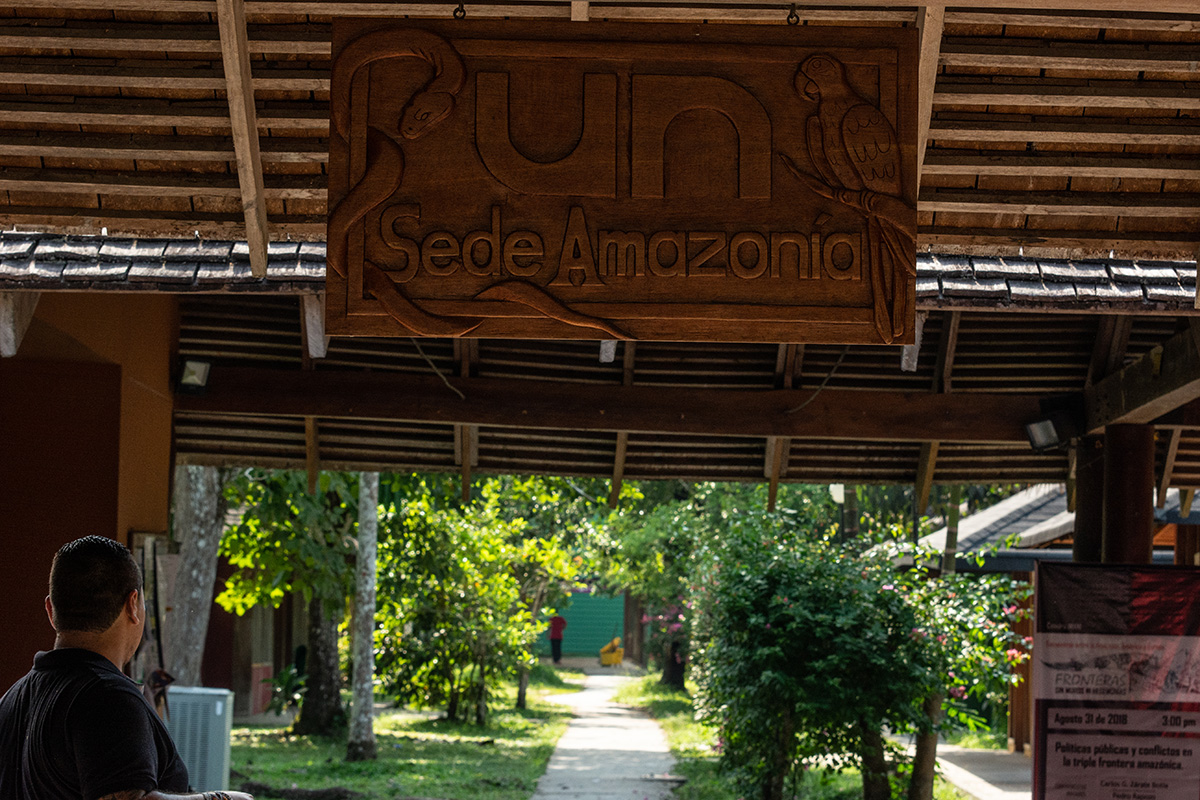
(384, 172)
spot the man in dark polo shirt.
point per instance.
(75, 727)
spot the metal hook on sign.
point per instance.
(793, 18)
(460, 12)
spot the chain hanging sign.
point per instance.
(622, 181)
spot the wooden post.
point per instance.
(1128, 531)
(1187, 545)
(1089, 500)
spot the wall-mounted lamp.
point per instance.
(193, 375)
(1058, 425)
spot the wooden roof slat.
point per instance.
(1108, 56)
(943, 162)
(1102, 204)
(1096, 95)
(1077, 19)
(147, 184)
(1158, 132)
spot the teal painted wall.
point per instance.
(592, 622)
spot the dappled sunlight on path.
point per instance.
(608, 751)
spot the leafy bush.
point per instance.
(803, 652)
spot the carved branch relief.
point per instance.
(625, 181)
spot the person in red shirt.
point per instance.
(557, 626)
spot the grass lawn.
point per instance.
(418, 757)
(692, 745)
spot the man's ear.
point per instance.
(133, 606)
(50, 613)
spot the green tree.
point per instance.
(290, 541)
(451, 615)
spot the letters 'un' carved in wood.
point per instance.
(628, 181)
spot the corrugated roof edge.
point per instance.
(42, 262)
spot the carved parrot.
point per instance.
(853, 147)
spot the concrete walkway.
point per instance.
(987, 774)
(608, 751)
(611, 751)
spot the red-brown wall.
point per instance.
(60, 434)
(85, 443)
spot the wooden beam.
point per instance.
(1160, 381)
(943, 370)
(312, 324)
(614, 494)
(579, 10)
(831, 414)
(774, 468)
(312, 453)
(1164, 482)
(1112, 341)
(1056, 242)
(239, 88)
(1186, 496)
(16, 312)
(926, 465)
(930, 21)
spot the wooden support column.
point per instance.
(466, 447)
(1187, 545)
(1186, 496)
(239, 88)
(1128, 536)
(627, 362)
(773, 468)
(942, 372)
(312, 453)
(1020, 696)
(16, 312)
(1089, 500)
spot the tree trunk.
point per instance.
(851, 513)
(925, 761)
(673, 667)
(522, 687)
(950, 551)
(874, 764)
(481, 698)
(361, 744)
(321, 710)
(199, 522)
(780, 760)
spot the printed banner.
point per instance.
(1117, 683)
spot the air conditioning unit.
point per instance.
(200, 722)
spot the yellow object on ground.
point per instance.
(612, 653)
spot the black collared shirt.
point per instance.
(76, 728)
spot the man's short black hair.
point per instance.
(89, 582)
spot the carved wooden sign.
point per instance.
(622, 181)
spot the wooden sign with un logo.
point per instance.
(622, 181)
